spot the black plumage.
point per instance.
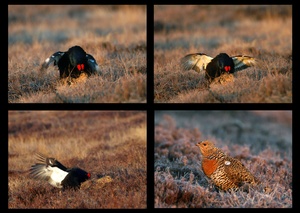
(222, 63)
(215, 67)
(58, 175)
(72, 63)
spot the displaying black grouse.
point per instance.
(58, 175)
(215, 67)
(72, 63)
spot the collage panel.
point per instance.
(77, 54)
(223, 159)
(223, 54)
(77, 159)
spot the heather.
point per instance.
(261, 140)
(111, 145)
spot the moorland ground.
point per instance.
(115, 35)
(103, 143)
(260, 31)
(262, 140)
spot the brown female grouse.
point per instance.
(227, 173)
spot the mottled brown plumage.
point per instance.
(225, 171)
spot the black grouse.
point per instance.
(72, 63)
(58, 175)
(215, 67)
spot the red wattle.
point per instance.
(80, 67)
(227, 68)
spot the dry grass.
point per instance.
(114, 35)
(262, 140)
(264, 32)
(107, 143)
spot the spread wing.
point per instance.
(40, 171)
(48, 169)
(92, 63)
(242, 62)
(52, 59)
(195, 61)
(53, 175)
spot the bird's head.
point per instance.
(77, 58)
(225, 62)
(206, 147)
